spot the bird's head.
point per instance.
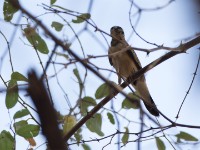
(117, 32)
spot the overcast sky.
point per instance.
(167, 82)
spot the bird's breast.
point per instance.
(122, 62)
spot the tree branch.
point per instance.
(46, 112)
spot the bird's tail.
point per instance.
(141, 87)
(152, 108)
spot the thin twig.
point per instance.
(194, 75)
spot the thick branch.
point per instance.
(46, 112)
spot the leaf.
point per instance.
(8, 10)
(82, 18)
(125, 136)
(78, 136)
(35, 40)
(85, 103)
(111, 118)
(21, 113)
(26, 130)
(11, 94)
(160, 144)
(53, 1)
(31, 141)
(69, 123)
(94, 124)
(133, 103)
(18, 77)
(19, 124)
(102, 91)
(86, 147)
(185, 136)
(6, 141)
(63, 55)
(76, 73)
(58, 26)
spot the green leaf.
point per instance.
(78, 136)
(76, 73)
(53, 1)
(58, 26)
(11, 94)
(85, 103)
(69, 123)
(133, 103)
(6, 141)
(21, 113)
(35, 40)
(111, 118)
(125, 136)
(62, 54)
(18, 77)
(185, 136)
(160, 144)
(102, 91)
(86, 147)
(8, 10)
(26, 130)
(19, 124)
(29, 131)
(94, 124)
(82, 18)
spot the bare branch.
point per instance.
(194, 75)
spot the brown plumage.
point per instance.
(126, 64)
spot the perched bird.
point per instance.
(126, 63)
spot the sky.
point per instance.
(167, 82)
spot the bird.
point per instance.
(126, 63)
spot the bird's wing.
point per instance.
(110, 59)
(135, 59)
